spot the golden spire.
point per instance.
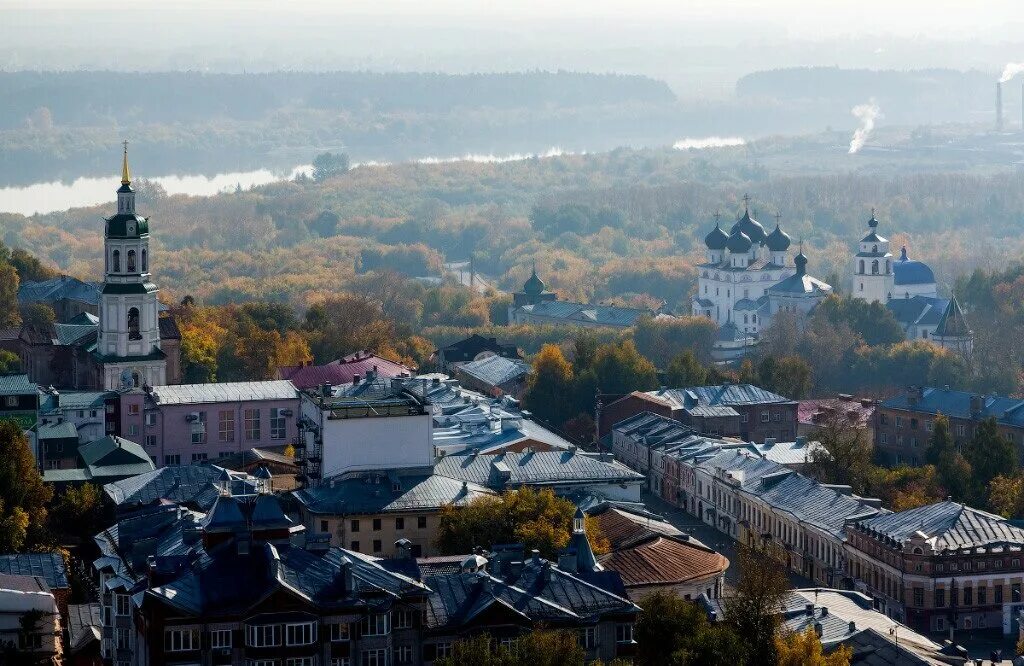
(126, 176)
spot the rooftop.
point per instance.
(495, 370)
(195, 486)
(193, 394)
(664, 560)
(586, 314)
(946, 526)
(17, 384)
(731, 395)
(343, 371)
(959, 404)
(541, 468)
(388, 493)
(48, 566)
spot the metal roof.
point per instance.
(495, 370)
(369, 495)
(723, 394)
(55, 289)
(17, 384)
(193, 394)
(533, 468)
(958, 404)
(62, 430)
(69, 334)
(343, 370)
(604, 315)
(81, 399)
(663, 560)
(191, 485)
(950, 524)
(48, 566)
(85, 625)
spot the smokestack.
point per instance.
(999, 106)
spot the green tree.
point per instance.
(990, 454)
(537, 519)
(661, 340)
(536, 648)
(954, 469)
(845, 456)
(789, 376)
(549, 387)
(80, 512)
(674, 631)
(9, 362)
(29, 268)
(685, 370)
(940, 444)
(329, 165)
(621, 369)
(754, 609)
(9, 316)
(23, 495)
(38, 314)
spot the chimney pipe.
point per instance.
(999, 106)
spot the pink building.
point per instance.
(190, 423)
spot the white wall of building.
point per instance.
(359, 444)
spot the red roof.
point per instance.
(664, 561)
(857, 410)
(342, 371)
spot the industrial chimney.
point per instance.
(999, 106)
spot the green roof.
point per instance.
(63, 430)
(117, 225)
(112, 450)
(18, 384)
(129, 288)
(156, 355)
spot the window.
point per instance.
(883, 438)
(940, 624)
(399, 523)
(277, 423)
(220, 639)
(261, 662)
(300, 661)
(299, 634)
(1015, 593)
(940, 598)
(354, 526)
(919, 596)
(145, 260)
(444, 650)
(377, 546)
(121, 605)
(884, 419)
(899, 421)
(997, 596)
(744, 418)
(123, 639)
(133, 409)
(133, 430)
(30, 641)
(180, 640)
(226, 426)
(252, 424)
(421, 522)
(776, 416)
(377, 624)
(325, 526)
(172, 460)
(588, 638)
(403, 654)
(374, 658)
(150, 419)
(624, 633)
(402, 619)
(961, 429)
(968, 596)
(116, 260)
(133, 324)
(376, 524)
(265, 635)
(982, 596)
(341, 661)
(764, 416)
(198, 458)
(339, 632)
(131, 261)
(354, 546)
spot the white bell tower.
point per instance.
(872, 266)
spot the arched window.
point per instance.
(116, 260)
(133, 324)
(862, 267)
(131, 261)
(754, 318)
(135, 379)
(874, 248)
(888, 267)
(145, 260)
(874, 267)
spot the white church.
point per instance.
(748, 277)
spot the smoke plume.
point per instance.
(866, 114)
(1011, 70)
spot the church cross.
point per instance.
(746, 201)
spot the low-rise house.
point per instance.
(84, 635)
(48, 566)
(473, 348)
(903, 424)
(939, 567)
(103, 461)
(29, 619)
(19, 400)
(371, 512)
(494, 376)
(243, 583)
(94, 414)
(652, 555)
(345, 370)
(194, 487)
(193, 423)
(744, 411)
(68, 296)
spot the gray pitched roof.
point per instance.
(952, 526)
(17, 384)
(509, 470)
(55, 289)
(357, 496)
(604, 315)
(192, 394)
(85, 625)
(191, 485)
(48, 566)
(495, 370)
(723, 394)
(62, 430)
(957, 404)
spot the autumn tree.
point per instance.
(1006, 495)
(23, 495)
(672, 630)
(537, 519)
(539, 647)
(661, 340)
(620, 368)
(40, 315)
(788, 375)
(805, 649)
(9, 316)
(549, 386)
(9, 362)
(754, 609)
(846, 450)
(80, 511)
(905, 487)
